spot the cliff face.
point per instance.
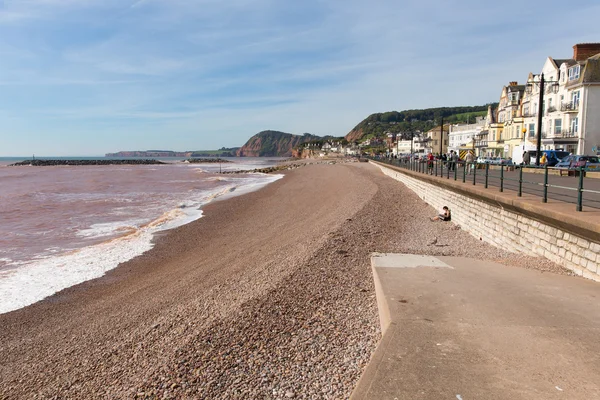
(354, 135)
(273, 144)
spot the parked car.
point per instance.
(553, 156)
(576, 161)
(500, 161)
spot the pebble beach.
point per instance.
(268, 296)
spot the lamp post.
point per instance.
(541, 83)
(442, 137)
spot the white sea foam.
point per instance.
(109, 229)
(37, 279)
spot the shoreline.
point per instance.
(269, 295)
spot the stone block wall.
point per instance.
(507, 229)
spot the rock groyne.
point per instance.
(52, 163)
(206, 161)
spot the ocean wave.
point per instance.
(39, 278)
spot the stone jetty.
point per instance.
(52, 163)
(206, 160)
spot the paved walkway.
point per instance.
(457, 328)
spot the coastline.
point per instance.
(269, 295)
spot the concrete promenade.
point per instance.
(458, 328)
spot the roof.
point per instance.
(518, 88)
(591, 72)
(560, 61)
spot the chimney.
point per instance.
(514, 83)
(583, 51)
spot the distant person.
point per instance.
(430, 158)
(526, 158)
(445, 215)
(544, 159)
(469, 159)
(454, 157)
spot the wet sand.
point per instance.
(269, 295)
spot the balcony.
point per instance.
(565, 134)
(561, 134)
(529, 114)
(570, 107)
(551, 109)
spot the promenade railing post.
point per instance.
(487, 173)
(464, 173)
(472, 166)
(545, 199)
(580, 191)
(436, 167)
(520, 192)
(447, 171)
(454, 169)
(502, 178)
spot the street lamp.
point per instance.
(540, 83)
(442, 137)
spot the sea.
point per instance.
(63, 225)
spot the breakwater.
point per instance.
(51, 163)
(206, 161)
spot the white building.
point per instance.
(461, 135)
(571, 102)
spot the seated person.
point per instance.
(443, 216)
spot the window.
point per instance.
(531, 130)
(557, 126)
(526, 110)
(574, 73)
(575, 99)
(543, 108)
(575, 125)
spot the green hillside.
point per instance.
(412, 120)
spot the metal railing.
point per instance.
(570, 185)
(571, 106)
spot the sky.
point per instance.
(87, 77)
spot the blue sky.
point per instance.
(86, 77)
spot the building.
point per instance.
(481, 138)
(437, 140)
(505, 131)
(461, 136)
(511, 113)
(570, 102)
(408, 143)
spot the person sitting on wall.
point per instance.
(445, 215)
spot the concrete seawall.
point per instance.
(518, 224)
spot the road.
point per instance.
(562, 188)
